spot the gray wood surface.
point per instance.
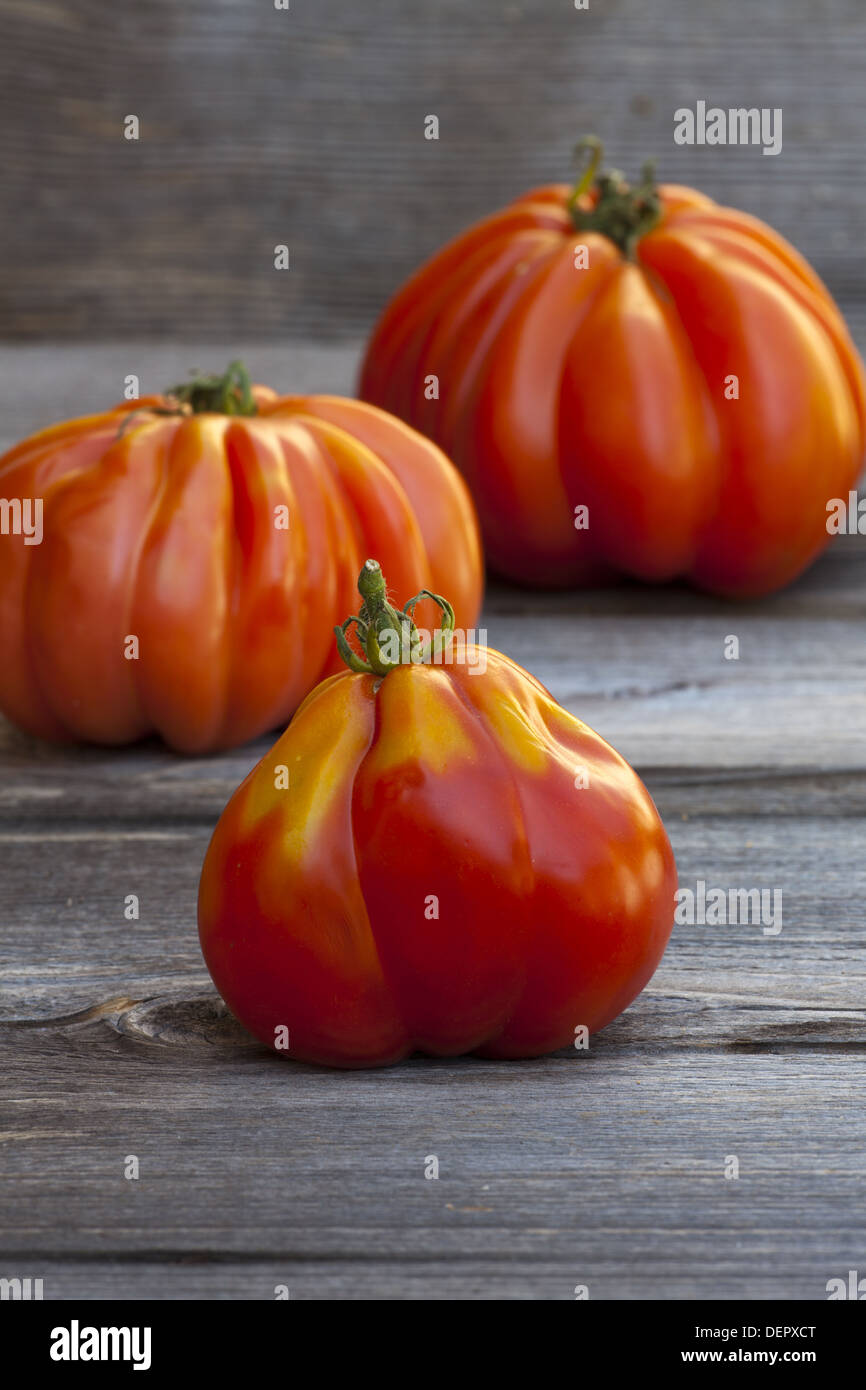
(305, 127)
(603, 1168)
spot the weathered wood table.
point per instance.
(604, 1168)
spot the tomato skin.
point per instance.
(432, 879)
(164, 529)
(604, 387)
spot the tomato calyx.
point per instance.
(621, 211)
(229, 394)
(388, 635)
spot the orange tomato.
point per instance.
(685, 378)
(435, 856)
(196, 551)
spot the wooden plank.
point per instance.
(66, 946)
(645, 667)
(670, 1273)
(306, 127)
(613, 1176)
(148, 787)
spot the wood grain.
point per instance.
(603, 1168)
(306, 128)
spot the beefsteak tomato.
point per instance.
(196, 550)
(631, 379)
(435, 856)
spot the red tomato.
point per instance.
(689, 381)
(434, 857)
(225, 539)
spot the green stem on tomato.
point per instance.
(229, 394)
(388, 635)
(621, 212)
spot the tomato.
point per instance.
(679, 398)
(434, 857)
(197, 549)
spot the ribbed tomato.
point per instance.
(435, 856)
(198, 548)
(671, 366)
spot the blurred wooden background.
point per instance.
(306, 127)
